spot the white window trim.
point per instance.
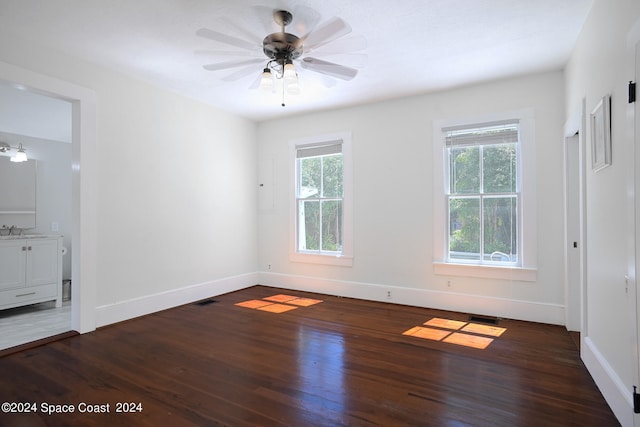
(526, 270)
(346, 258)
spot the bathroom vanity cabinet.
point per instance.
(30, 270)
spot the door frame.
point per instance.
(633, 179)
(84, 161)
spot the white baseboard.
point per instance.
(125, 310)
(474, 304)
(611, 386)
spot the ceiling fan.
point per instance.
(284, 50)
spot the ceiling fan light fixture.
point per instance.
(266, 82)
(289, 73)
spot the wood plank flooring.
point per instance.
(334, 363)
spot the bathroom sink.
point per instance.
(27, 236)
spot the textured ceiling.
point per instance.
(412, 46)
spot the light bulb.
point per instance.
(266, 82)
(290, 72)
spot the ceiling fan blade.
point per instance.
(231, 64)
(326, 33)
(346, 45)
(211, 52)
(264, 15)
(328, 68)
(248, 34)
(243, 72)
(304, 20)
(355, 60)
(224, 38)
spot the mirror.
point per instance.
(17, 193)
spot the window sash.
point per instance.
(495, 256)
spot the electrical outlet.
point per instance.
(55, 226)
(269, 267)
(448, 283)
(388, 294)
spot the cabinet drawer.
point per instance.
(24, 295)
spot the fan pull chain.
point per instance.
(283, 92)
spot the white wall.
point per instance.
(599, 66)
(175, 189)
(393, 193)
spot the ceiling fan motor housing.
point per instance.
(283, 45)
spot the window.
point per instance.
(322, 213)
(483, 193)
(319, 198)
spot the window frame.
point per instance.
(481, 195)
(525, 269)
(345, 258)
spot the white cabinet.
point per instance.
(30, 271)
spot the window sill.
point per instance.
(339, 260)
(486, 271)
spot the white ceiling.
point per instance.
(413, 46)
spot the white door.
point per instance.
(573, 233)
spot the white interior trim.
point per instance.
(136, 307)
(611, 386)
(465, 303)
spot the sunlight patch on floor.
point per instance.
(469, 334)
(254, 303)
(278, 303)
(445, 323)
(467, 340)
(277, 308)
(427, 333)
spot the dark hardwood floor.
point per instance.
(338, 362)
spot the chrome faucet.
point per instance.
(13, 230)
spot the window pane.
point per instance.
(499, 168)
(464, 167)
(332, 176)
(464, 228)
(332, 225)
(309, 177)
(309, 223)
(500, 228)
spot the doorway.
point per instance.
(83, 167)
